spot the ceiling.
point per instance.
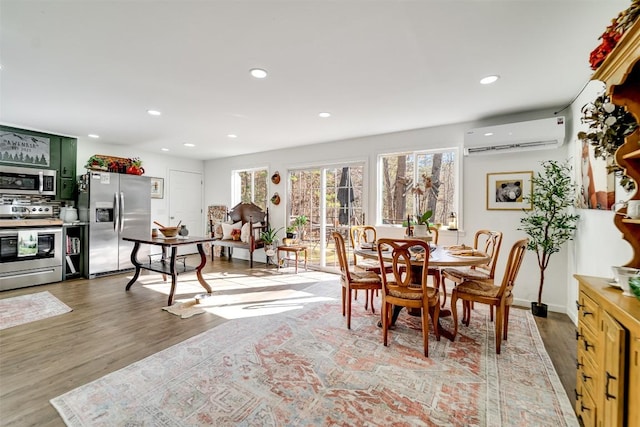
(79, 67)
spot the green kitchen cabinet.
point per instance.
(62, 158)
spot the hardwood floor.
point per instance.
(110, 329)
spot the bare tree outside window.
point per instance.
(253, 186)
(413, 181)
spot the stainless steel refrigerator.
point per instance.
(119, 205)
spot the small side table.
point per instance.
(296, 249)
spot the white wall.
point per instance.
(473, 198)
(154, 164)
(598, 244)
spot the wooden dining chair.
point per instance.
(367, 234)
(500, 297)
(353, 280)
(485, 241)
(407, 286)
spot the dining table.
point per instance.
(169, 262)
(439, 257)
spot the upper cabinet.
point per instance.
(62, 157)
(621, 73)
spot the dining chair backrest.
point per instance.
(436, 235)
(361, 234)
(401, 252)
(341, 253)
(516, 255)
(489, 242)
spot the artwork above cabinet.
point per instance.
(27, 148)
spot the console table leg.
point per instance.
(134, 261)
(203, 262)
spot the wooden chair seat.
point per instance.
(410, 292)
(352, 281)
(498, 297)
(466, 273)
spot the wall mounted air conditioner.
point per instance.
(522, 136)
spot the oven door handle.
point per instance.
(14, 231)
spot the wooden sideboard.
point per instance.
(608, 376)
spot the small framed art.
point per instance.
(157, 188)
(508, 190)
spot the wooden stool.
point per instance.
(296, 249)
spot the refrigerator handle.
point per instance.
(121, 212)
(116, 212)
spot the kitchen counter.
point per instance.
(42, 222)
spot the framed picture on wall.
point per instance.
(507, 190)
(157, 188)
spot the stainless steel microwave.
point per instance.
(15, 180)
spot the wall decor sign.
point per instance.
(508, 190)
(157, 188)
(24, 149)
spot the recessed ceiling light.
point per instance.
(488, 134)
(164, 149)
(489, 79)
(232, 135)
(324, 115)
(187, 144)
(258, 73)
(93, 135)
(154, 112)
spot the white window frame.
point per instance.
(236, 182)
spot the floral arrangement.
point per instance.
(609, 124)
(613, 33)
(421, 193)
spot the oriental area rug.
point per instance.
(305, 368)
(23, 309)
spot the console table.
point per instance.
(167, 264)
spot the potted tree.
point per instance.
(548, 223)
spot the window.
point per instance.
(414, 182)
(250, 186)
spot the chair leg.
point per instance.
(505, 327)
(373, 309)
(436, 319)
(425, 330)
(466, 309)
(444, 292)
(385, 321)
(344, 301)
(454, 311)
(349, 308)
(499, 314)
(366, 299)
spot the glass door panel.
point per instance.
(331, 198)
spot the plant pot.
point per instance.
(539, 310)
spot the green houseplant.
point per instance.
(548, 223)
(299, 222)
(422, 224)
(269, 235)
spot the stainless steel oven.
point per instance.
(15, 180)
(30, 256)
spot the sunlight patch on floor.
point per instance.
(233, 297)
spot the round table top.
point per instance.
(440, 257)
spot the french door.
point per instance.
(331, 197)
